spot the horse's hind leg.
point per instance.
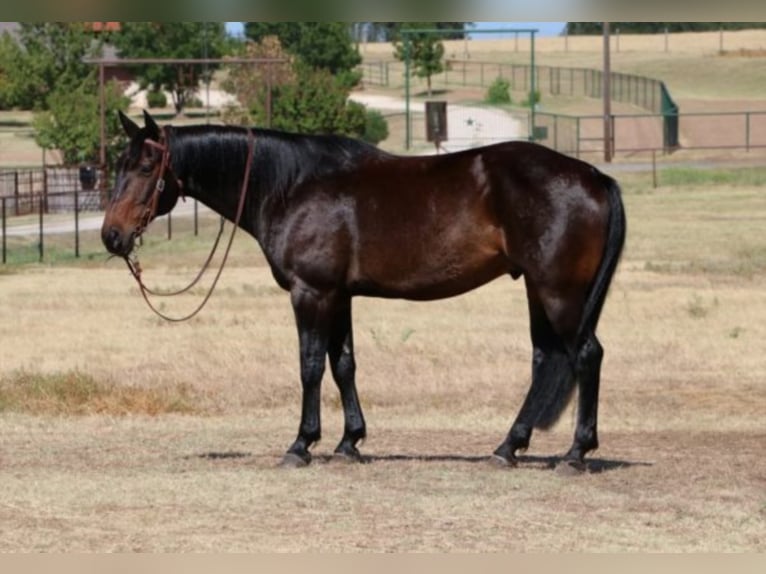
(552, 383)
(341, 354)
(588, 372)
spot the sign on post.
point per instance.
(436, 122)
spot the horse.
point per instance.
(338, 218)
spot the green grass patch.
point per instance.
(704, 176)
(77, 393)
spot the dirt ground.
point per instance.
(195, 485)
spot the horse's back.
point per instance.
(434, 227)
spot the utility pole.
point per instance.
(607, 98)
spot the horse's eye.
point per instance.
(146, 167)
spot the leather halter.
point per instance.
(135, 267)
(159, 186)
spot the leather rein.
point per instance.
(150, 212)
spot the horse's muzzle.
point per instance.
(116, 241)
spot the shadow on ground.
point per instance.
(592, 465)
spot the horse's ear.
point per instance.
(151, 126)
(130, 127)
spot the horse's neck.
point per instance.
(217, 186)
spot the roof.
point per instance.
(105, 26)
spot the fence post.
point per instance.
(4, 244)
(196, 219)
(577, 137)
(45, 187)
(747, 131)
(170, 226)
(76, 223)
(42, 234)
(16, 192)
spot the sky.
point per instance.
(545, 28)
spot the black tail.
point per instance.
(615, 241)
(559, 371)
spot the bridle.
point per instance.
(150, 212)
(159, 186)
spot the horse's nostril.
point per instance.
(112, 240)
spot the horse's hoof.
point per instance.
(501, 462)
(570, 468)
(292, 460)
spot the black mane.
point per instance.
(215, 157)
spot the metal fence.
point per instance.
(641, 91)
(21, 188)
(553, 81)
(26, 238)
(581, 135)
(44, 235)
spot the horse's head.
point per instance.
(145, 186)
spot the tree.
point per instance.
(71, 123)
(171, 40)
(319, 45)
(301, 98)
(46, 55)
(254, 85)
(575, 28)
(389, 31)
(317, 104)
(10, 57)
(424, 50)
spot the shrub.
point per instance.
(375, 127)
(156, 99)
(194, 102)
(529, 104)
(499, 92)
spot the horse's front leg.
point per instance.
(343, 366)
(313, 312)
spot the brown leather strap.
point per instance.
(135, 267)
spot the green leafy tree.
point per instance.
(319, 45)
(71, 123)
(390, 31)
(316, 103)
(304, 97)
(574, 28)
(172, 40)
(254, 85)
(425, 51)
(10, 57)
(46, 55)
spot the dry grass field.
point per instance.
(693, 67)
(119, 432)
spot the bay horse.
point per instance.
(338, 218)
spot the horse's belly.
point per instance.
(428, 274)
